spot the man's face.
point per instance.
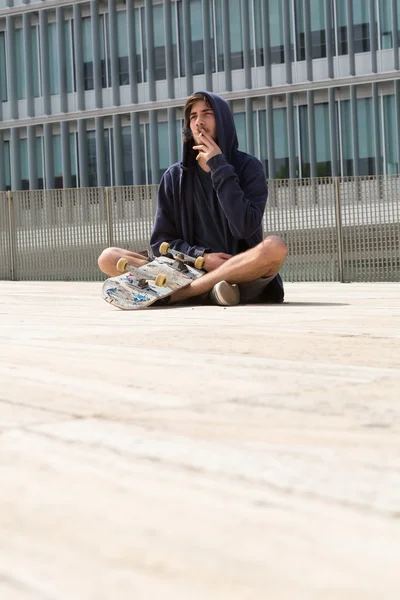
(202, 119)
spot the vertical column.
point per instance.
(32, 158)
(62, 59)
(311, 133)
(15, 159)
(83, 154)
(246, 44)
(173, 156)
(333, 131)
(395, 34)
(26, 30)
(100, 152)
(329, 37)
(354, 130)
(132, 62)
(97, 75)
(377, 131)
(136, 148)
(291, 135)
(350, 45)
(44, 62)
(11, 68)
(270, 138)
(48, 155)
(118, 155)
(151, 63)
(249, 125)
(207, 48)
(266, 41)
(307, 37)
(79, 76)
(114, 62)
(226, 45)
(66, 155)
(187, 37)
(373, 35)
(155, 165)
(169, 66)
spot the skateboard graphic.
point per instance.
(137, 288)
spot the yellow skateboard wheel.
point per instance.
(121, 265)
(160, 280)
(199, 262)
(164, 248)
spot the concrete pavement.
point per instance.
(200, 452)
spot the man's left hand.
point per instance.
(207, 148)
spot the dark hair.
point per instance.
(187, 134)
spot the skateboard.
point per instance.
(138, 288)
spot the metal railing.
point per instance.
(337, 229)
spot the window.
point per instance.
(53, 58)
(196, 27)
(318, 29)
(57, 157)
(23, 157)
(159, 41)
(123, 63)
(7, 167)
(389, 117)
(322, 135)
(35, 59)
(91, 158)
(276, 31)
(235, 34)
(20, 64)
(366, 142)
(281, 143)
(87, 54)
(127, 155)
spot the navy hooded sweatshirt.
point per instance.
(241, 190)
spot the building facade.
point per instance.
(92, 91)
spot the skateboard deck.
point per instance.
(139, 288)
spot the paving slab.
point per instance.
(200, 452)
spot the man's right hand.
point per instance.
(215, 260)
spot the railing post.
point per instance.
(11, 233)
(339, 228)
(110, 237)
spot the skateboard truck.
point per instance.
(181, 258)
(141, 277)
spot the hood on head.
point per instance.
(226, 131)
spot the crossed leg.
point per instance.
(264, 260)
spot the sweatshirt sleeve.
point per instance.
(165, 228)
(243, 202)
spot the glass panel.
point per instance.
(240, 122)
(322, 135)
(108, 137)
(104, 51)
(92, 158)
(304, 142)
(318, 30)
(87, 53)
(73, 158)
(341, 16)
(7, 167)
(261, 133)
(53, 58)
(235, 34)
(281, 144)
(123, 65)
(163, 147)
(127, 155)
(346, 138)
(138, 43)
(23, 155)
(19, 63)
(389, 115)
(196, 27)
(218, 36)
(159, 41)
(39, 162)
(69, 58)
(58, 174)
(35, 59)
(256, 41)
(276, 31)
(385, 16)
(3, 70)
(361, 35)
(366, 146)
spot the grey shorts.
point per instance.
(251, 290)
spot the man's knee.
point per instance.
(273, 250)
(106, 258)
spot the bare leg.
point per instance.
(108, 259)
(264, 260)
